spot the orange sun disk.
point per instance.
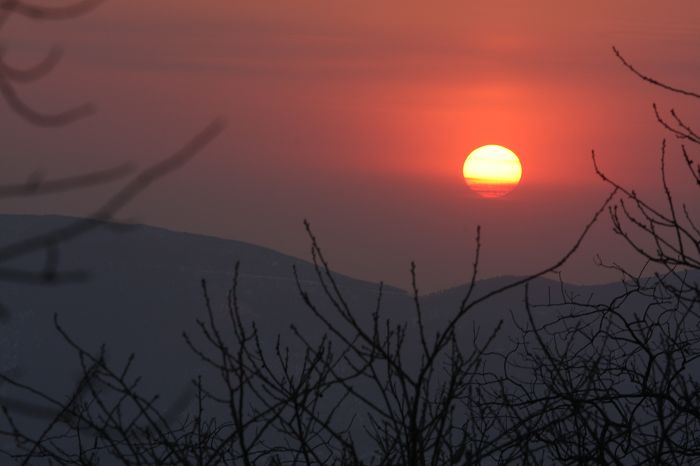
(492, 171)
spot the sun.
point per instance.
(492, 171)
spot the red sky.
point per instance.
(358, 116)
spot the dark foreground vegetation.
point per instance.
(578, 382)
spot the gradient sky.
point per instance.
(358, 116)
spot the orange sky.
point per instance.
(358, 115)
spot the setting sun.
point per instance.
(492, 171)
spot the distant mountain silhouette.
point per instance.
(144, 291)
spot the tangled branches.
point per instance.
(604, 380)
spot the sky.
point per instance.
(358, 117)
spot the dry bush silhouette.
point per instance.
(583, 382)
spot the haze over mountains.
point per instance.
(144, 289)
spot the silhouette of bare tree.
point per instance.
(614, 382)
(133, 181)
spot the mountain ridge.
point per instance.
(145, 290)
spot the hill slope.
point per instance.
(144, 290)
